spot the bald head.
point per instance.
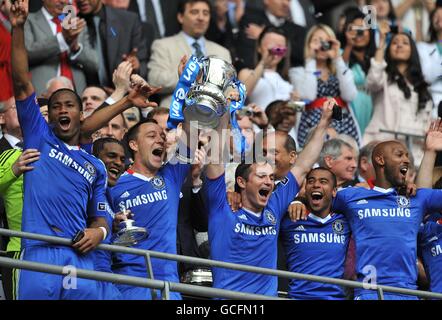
(385, 148)
(391, 162)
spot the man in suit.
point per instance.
(194, 17)
(56, 48)
(276, 13)
(160, 14)
(12, 136)
(116, 35)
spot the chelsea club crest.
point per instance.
(158, 182)
(270, 217)
(338, 226)
(403, 201)
(90, 168)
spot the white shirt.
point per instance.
(298, 14)
(190, 40)
(158, 14)
(11, 139)
(274, 20)
(270, 87)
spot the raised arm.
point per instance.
(311, 151)
(138, 95)
(216, 166)
(433, 143)
(19, 58)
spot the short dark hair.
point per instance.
(62, 90)
(157, 111)
(242, 170)
(182, 4)
(335, 181)
(132, 133)
(99, 144)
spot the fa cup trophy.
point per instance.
(206, 102)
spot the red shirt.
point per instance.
(6, 89)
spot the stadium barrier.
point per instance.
(165, 287)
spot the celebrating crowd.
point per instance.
(339, 138)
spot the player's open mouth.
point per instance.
(114, 173)
(403, 170)
(65, 123)
(316, 197)
(158, 152)
(264, 193)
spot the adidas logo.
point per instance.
(243, 217)
(363, 201)
(300, 228)
(125, 195)
(433, 239)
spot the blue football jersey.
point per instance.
(67, 185)
(245, 238)
(385, 227)
(430, 242)
(154, 203)
(318, 247)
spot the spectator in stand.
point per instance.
(220, 27)
(402, 102)
(275, 13)
(365, 173)
(148, 28)
(57, 51)
(115, 35)
(161, 15)
(431, 59)
(282, 117)
(384, 13)
(325, 75)
(57, 83)
(339, 157)
(359, 47)
(115, 128)
(194, 17)
(414, 16)
(92, 97)
(269, 81)
(5, 51)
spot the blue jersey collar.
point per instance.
(319, 219)
(382, 190)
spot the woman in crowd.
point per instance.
(431, 59)
(401, 99)
(269, 80)
(325, 75)
(359, 47)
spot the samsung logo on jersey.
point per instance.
(315, 237)
(435, 251)
(68, 161)
(392, 212)
(144, 199)
(254, 230)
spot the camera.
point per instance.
(326, 45)
(298, 106)
(337, 113)
(278, 51)
(246, 111)
(359, 33)
(394, 29)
